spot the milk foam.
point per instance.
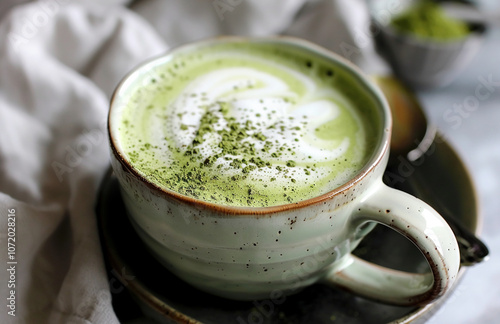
(301, 137)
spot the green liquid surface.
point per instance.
(248, 124)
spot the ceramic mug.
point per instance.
(248, 253)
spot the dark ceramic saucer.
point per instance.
(140, 285)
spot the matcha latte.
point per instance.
(247, 123)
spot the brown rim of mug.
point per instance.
(377, 157)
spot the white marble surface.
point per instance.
(475, 134)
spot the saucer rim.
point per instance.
(138, 290)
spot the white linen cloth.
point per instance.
(59, 63)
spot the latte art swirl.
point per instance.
(239, 129)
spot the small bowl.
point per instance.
(421, 63)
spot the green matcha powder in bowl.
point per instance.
(424, 46)
(427, 20)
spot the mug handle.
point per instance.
(419, 223)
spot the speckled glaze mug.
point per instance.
(249, 253)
